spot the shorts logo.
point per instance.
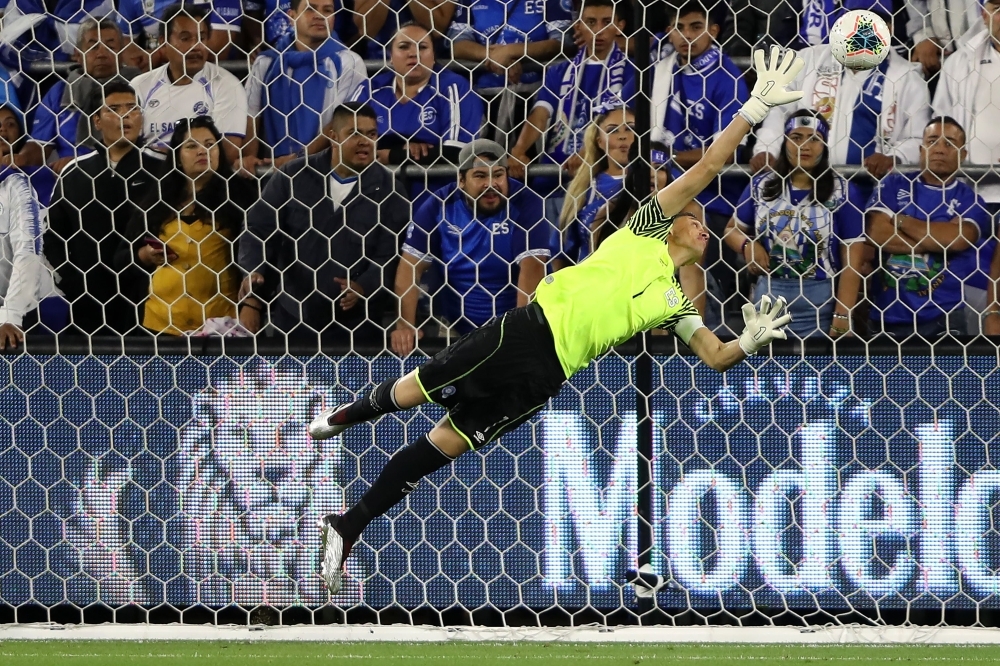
(480, 437)
(201, 109)
(671, 296)
(448, 391)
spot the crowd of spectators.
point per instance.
(324, 170)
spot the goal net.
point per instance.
(155, 465)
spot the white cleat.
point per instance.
(321, 428)
(335, 552)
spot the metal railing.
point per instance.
(241, 68)
(975, 172)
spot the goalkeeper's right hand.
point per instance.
(763, 326)
(772, 78)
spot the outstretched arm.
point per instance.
(768, 92)
(718, 355)
(763, 326)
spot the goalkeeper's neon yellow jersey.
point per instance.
(628, 285)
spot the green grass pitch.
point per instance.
(221, 653)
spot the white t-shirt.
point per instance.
(984, 135)
(213, 92)
(341, 189)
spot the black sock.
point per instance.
(377, 402)
(396, 480)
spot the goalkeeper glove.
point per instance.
(772, 79)
(763, 326)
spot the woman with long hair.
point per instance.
(607, 143)
(185, 231)
(800, 228)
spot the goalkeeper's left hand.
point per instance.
(764, 325)
(773, 79)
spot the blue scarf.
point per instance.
(677, 122)
(864, 123)
(296, 87)
(817, 15)
(575, 110)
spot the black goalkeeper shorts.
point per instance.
(496, 377)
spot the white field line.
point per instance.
(585, 634)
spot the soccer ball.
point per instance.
(860, 40)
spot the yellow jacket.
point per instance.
(201, 283)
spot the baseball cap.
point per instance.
(467, 157)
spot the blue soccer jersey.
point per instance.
(509, 22)
(445, 112)
(480, 257)
(377, 46)
(138, 16)
(279, 29)
(56, 126)
(692, 104)
(802, 238)
(573, 243)
(929, 284)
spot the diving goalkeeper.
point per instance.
(496, 377)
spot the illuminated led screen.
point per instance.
(783, 482)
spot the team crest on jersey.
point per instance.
(824, 107)
(672, 299)
(429, 115)
(201, 109)
(824, 96)
(890, 120)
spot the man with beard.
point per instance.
(487, 233)
(324, 258)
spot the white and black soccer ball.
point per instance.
(860, 39)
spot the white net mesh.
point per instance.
(271, 202)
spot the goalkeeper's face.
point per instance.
(690, 234)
